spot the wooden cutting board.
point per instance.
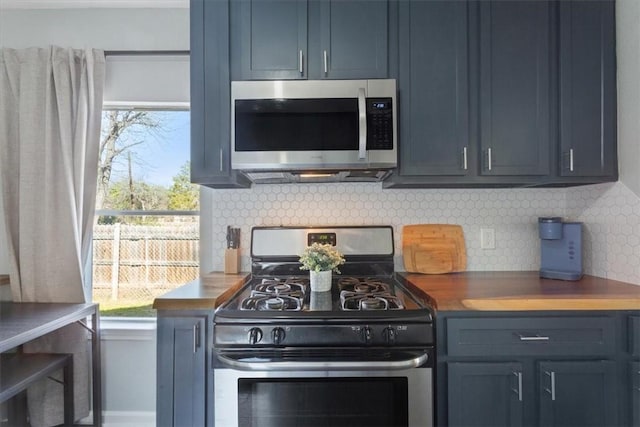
(433, 248)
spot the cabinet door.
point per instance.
(433, 87)
(211, 97)
(635, 393)
(485, 394)
(515, 54)
(272, 39)
(353, 39)
(587, 88)
(578, 393)
(181, 371)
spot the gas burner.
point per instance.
(369, 301)
(271, 303)
(293, 287)
(362, 285)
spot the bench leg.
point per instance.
(67, 376)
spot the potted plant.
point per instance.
(321, 259)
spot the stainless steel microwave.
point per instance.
(286, 130)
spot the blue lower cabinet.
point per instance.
(181, 372)
(635, 393)
(578, 393)
(485, 394)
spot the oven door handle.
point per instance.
(395, 365)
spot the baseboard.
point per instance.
(125, 419)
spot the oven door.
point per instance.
(351, 391)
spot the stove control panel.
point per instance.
(361, 334)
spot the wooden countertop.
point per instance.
(523, 290)
(468, 291)
(207, 292)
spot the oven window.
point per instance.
(326, 402)
(296, 124)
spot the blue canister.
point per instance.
(550, 228)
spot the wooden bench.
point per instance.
(20, 370)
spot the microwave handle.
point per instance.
(362, 118)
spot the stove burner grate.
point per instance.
(369, 301)
(271, 303)
(277, 295)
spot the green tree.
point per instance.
(183, 195)
(136, 196)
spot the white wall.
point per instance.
(109, 29)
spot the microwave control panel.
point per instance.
(379, 124)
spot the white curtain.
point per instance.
(50, 112)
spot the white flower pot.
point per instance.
(320, 281)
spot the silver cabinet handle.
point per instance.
(325, 58)
(221, 160)
(362, 119)
(552, 392)
(519, 390)
(533, 338)
(571, 160)
(489, 165)
(464, 158)
(301, 61)
(196, 337)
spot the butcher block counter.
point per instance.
(468, 291)
(207, 292)
(522, 290)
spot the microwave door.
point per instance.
(289, 125)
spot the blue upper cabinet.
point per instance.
(587, 89)
(300, 39)
(514, 87)
(353, 39)
(271, 38)
(433, 86)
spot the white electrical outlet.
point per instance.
(487, 238)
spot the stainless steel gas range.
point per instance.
(358, 355)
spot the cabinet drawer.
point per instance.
(530, 336)
(634, 335)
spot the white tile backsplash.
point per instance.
(512, 213)
(610, 213)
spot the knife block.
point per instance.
(231, 261)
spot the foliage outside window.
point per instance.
(146, 234)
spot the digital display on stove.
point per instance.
(324, 238)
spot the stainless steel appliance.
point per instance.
(361, 354)
(560, 248)
(314, 130)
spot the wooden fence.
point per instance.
(144, 261)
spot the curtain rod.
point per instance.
(145, 52)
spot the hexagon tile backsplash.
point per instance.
(512, 213)
(611, 214)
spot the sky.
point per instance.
(160, 157)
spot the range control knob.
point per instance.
(389, 335)
(367, 335)
(278, 335)
(255, 335)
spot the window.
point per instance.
(146, 233)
